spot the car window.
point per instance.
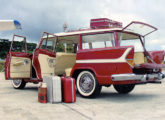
(19, 45)
(48, 44)
(126, 39)
(98, 41)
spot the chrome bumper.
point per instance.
(140, 77)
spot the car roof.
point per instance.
(86, 31)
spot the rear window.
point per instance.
(126, 39)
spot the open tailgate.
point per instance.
(140, 28)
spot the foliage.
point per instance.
(1, 65)
(17, 47)
(61, 47)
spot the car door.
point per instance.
(18, 61)
(44, 56)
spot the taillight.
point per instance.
(130, 57)
(162, 62)
(131, 62)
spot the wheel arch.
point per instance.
(76, 72)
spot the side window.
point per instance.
(98, 41)
(66, 47)
(19, 45)
(48, 44)
(126, 39)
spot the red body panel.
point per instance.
(36, 63)
(157, 56)
(68, 89)
(150, 66)
(7, 67)
(103, 71)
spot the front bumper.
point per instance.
(139, 77)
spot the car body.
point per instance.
(103, 55)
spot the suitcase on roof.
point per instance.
(68, 89)
(101, 23)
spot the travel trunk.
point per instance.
(68, 89)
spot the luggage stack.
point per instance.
(60, 89)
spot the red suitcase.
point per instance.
(68, 89)
(104, 23)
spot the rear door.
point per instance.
(44, 56)
(140, 28)
(18, 61)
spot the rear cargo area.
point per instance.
(143, 64)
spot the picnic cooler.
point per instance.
(53, 88)
(68, 89)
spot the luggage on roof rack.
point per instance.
(104, 23)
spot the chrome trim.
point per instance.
(140, 77)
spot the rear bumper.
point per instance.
(139, 77)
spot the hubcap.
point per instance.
(86, 83)
(17, 82)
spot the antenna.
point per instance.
(65, 27)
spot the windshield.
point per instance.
(126, 39)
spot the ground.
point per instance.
(146, 102)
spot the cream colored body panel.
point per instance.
(63, 62)
(20, 67)
(46, 64)
(139, 58)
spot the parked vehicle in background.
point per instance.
(106, 54)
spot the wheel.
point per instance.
(18, 84)
(124, 89)
(87, 85)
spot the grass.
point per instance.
(1, 65)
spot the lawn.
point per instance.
(1, 65)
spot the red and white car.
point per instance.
(104, 55)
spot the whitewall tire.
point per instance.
(18, 83)
(87, 84)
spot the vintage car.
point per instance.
(106, 54)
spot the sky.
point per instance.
(37, 16)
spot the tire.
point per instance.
(124, 89)
(87, 85)
(18, 84)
